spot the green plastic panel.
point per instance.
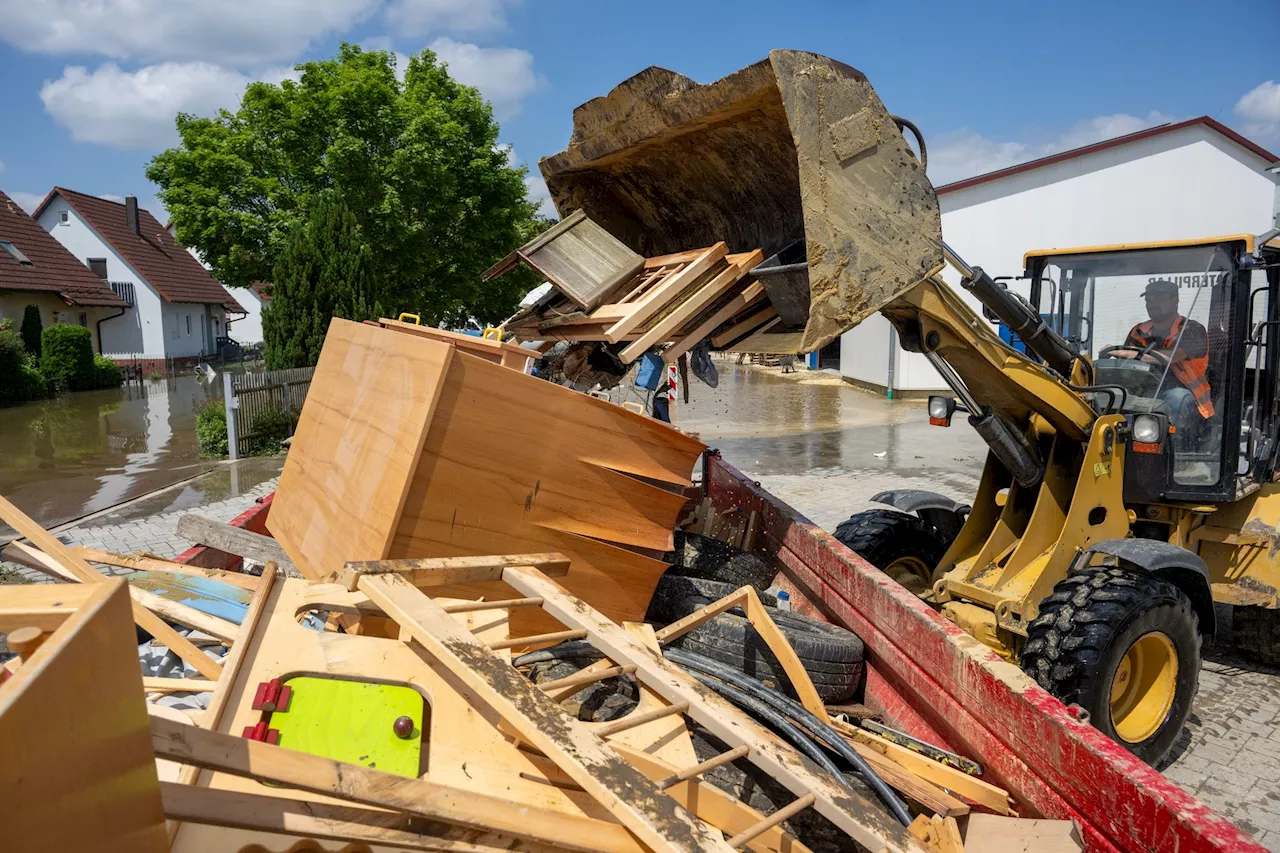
(352, 721)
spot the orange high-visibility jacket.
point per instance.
(1190, 371)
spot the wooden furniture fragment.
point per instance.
(498, 352)
(79, 773)
(584, 261)
(992, 834)
(55, 557)
(152, 564)
(752, 295)
(446, 455)
(443, 571)
(233, 540)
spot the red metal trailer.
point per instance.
(931, 679)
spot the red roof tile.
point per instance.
(1212, 124)
(263, 289)
(52, 269)
(167, 266)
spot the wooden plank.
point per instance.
(689, 308)
(631, 798)
(489, 349)
(785, 813)
(314, 820)
(357, 445)
(152, 564)
(751, 294)
(993, 834)
(663, 292)
(701, 616)
(78, 771)
(43, 606)
(758, 616)
(55, 553)
(932, 798)
(983, 793)
(178, 685)
(261, 761)
(441, 571)
(235, 540)
(864, 822)
(176, 611)
(740, 328)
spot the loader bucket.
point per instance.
(795, 155)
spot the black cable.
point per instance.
(909, 125)
(801, 716)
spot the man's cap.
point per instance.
(1161, 287)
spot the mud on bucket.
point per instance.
(785, 277)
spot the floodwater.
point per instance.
(65, 458)
(825, 446)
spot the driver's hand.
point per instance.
(1124, 353)
(1151, 359)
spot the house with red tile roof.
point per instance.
(179, 311)
(36, 269)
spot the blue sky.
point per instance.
(91, 86)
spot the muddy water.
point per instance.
(65, 458)
(823, 445)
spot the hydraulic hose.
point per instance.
(798, 714)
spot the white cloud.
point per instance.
(1, 166)
(964, 153)
(118, 199)
(504, 75)
(27, 201)
(416, 17)
(136, 109)
(231, 32)
(534, 185)
(1260, 110)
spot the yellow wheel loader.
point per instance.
(1113, 511)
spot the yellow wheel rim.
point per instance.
(911, 572)
(1143, 688)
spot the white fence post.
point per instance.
(229, 400)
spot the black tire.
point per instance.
(902, 546)
(676, 596)
(1256, 633)
(699, 556)
(1085, 629)
(832, 656)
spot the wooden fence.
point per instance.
(251, 398)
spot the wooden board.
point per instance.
(442, 571)
(742, 327)
(357, 446)
(234, 540)
(631, 798)
(751, 295)
(584, 261)
(78, 773)
(490, 349)
(151, 564)
(43, 606)
(658, 296)
(994, 834)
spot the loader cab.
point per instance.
(1184, 339)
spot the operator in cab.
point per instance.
(1184, 344)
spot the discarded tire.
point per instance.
(1124, 646)
(902, 546)
(832, 656)
(705, 557)
(677, 596)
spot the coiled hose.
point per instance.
(702, 668)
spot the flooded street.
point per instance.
(825, 446)
(65, 458)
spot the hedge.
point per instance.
(211, 429)
(68, 357)
(19, 380)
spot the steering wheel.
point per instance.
(1161, 361)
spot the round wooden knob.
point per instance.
(25, 641)
(403, 727)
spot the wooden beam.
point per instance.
(583, 677)
(266, 763)
(742, 327)
(497, 604)
(666, 290)
(687, 309)
(632, 799)
(970, 787)
(178, 685)
(444, 571)
(58, 554)
(701, 616)
(44, 606)
(176, 611)
(852, 813)
(785, 813)
(538, 639)
(750, 295)
(916, 788)
(352, 824)
(152, 564)
(234, 540)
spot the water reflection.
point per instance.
(82, 452)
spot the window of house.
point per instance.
(188, 324)
(98, 266)
(173, 331)
(15, 253)
(84, 319)
(64, 217)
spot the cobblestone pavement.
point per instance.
(825, 448)
(153, 534)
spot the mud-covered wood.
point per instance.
(441, 571)
(234, 540)
(795, 147)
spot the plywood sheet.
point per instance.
(79, 773)
(357, 446)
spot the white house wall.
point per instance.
(1186, 184)
(247, 329)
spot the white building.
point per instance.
(177, 310)
(246, 329)
(1182, 181)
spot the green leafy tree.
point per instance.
(416, 162)
(31, 330)
(325, 271)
